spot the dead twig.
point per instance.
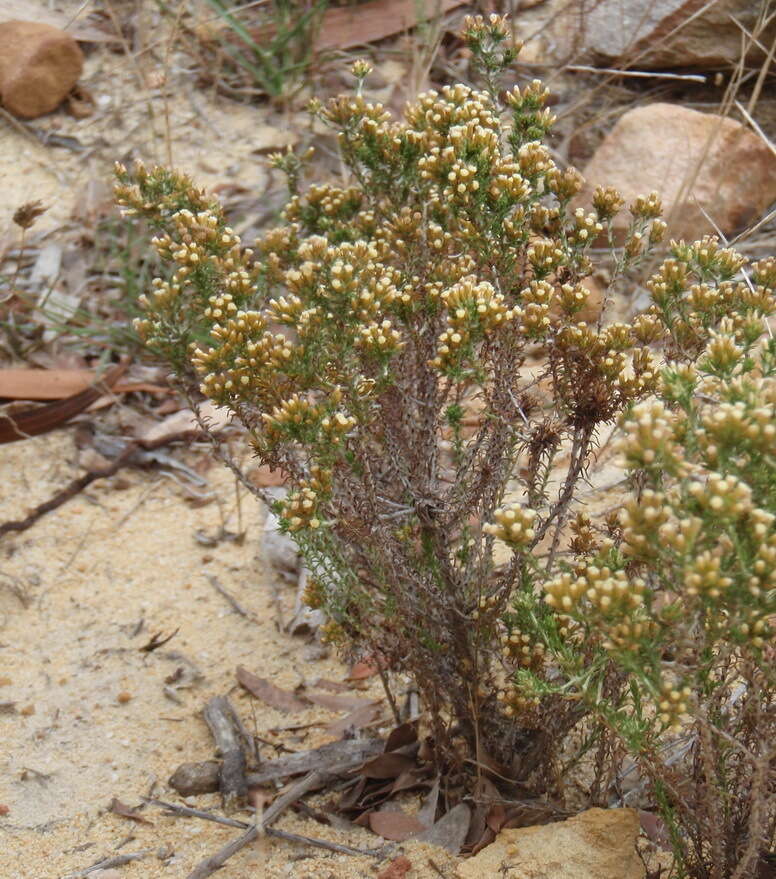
(107, 863)
(325, 844)
(78, 485)
(389, 694)
(642, 74)
(334, 759)
(216, 861)
(221, 719)
(188, 812)
(233, 602)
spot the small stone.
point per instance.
(5, 681)
(597, 844)
(27, 711)
(397, 869)
(39, 65)
(124, 697)
(196, 778)
(694, 161)
(165, 852)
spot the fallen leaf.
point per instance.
(357, 719)
(361, 671)
(217, 417)
(156, 641)
(389, 765)
(394, 825)
(125, 811)
(427, 812)
(267, 692)
(486, 838)
(397, 869)
(450, 831)
(408, 780)
(496, 817)
(345, 27)
(655, 828)
(42, 419)
(336, 703)
(352, 796)
(400, 736)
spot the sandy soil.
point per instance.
(90, 719)
(83, 713)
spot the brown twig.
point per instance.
(221, 719)
(325, 844)
(188, 812)
(107, 863)
(233, 602)
(78, 485)
(389, 694)
(216, 861)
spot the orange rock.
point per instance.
(597, 844)
(39, 65)
(694, 161)
(397, 869)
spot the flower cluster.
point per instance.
(514, 525)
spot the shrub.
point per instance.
(680, 598)
(408, 350)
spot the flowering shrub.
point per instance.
(679, 593)
(407, 347)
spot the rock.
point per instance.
(552, 33)
(39, 65)
(694, 160)
(598, 844)
(670, 33)
(196, 778)
(646, 34)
